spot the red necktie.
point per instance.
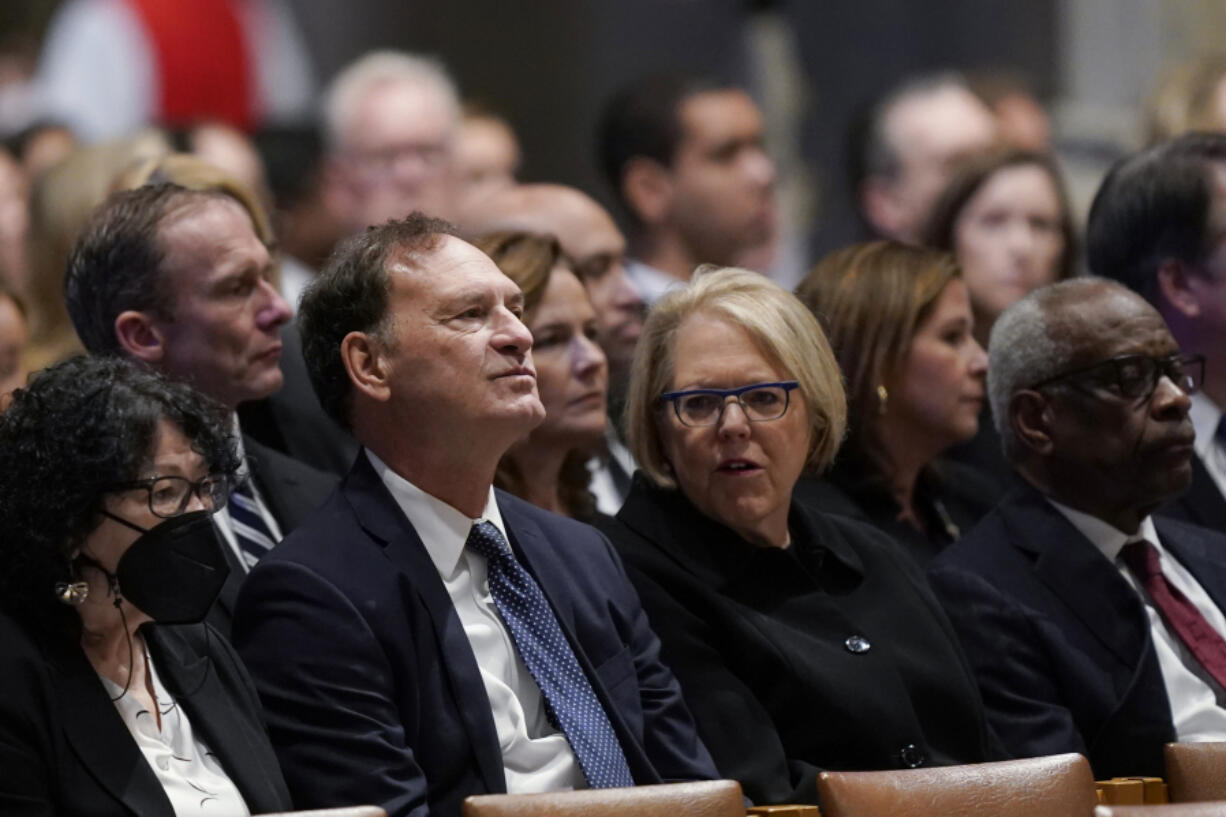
(1180, 615)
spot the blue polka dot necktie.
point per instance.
(545, 651)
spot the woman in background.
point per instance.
(549, 467)
(899, 318)
(1006, 218)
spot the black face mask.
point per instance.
(174, 571)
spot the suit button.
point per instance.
(857, 644)
(911, 756)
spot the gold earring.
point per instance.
(71, 593)
(883, 399)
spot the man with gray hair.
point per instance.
(1092, 626)
(390, 123)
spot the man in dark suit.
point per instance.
(178, 279)
(424, 637)
(1092, 626)
(1158, 226)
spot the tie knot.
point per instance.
(1142, 558)
(486, 540)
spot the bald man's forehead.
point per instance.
(1108, 322)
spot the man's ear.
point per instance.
(1177, 284)
(139, 336)
(647, 188)
(1030, 414)
(367, 366)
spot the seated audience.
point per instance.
(1156, 227)
(686, 159)
(1005, 216)
(899, 319)
(802, 641)
(1092, 626)
(912, 139)
(425, 637)
(549, 466)
(115, 700)
(182, 281)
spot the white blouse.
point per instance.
(189, 773)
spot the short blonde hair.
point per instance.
(785, 332)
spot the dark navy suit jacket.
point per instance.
(1059, 640)
(369, 683)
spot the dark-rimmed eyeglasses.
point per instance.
(169, 496)
(1135, 377)
(704, 407)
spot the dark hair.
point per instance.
(77, 428)
(350, 295)
(116, 262)
(972, 175)
(1154, 206)
(643, 119)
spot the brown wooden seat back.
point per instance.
(1196, 771)
(1056, 786)
(711, 798)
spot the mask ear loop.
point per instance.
(112, 583)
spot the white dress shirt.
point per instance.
(536, 757)
(1205, 417)
(652, 284)
(609, 497)
(1196, 698)
(221, 519)
(189, 773)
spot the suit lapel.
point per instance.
(188, 677)
(1203, 502)
(1202, 552)
(382, 518)
(1079, 575)
(100, 738)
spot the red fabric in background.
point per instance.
(203, 68)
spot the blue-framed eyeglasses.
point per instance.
(704, 407)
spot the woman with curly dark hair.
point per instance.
(549, 467)
(115, 700)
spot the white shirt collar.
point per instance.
(1108, 539)
(442, 529)
(1205, 417)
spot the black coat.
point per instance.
(292, 491)
(65, 750)
(1202, 504)
(950, 497)
(770, 646)
(1059, 640)
(371, 686)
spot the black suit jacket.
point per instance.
(292, 490)
(759, 638)
(293, 422)
(1059, 640)
(64, 749)
(1202, 504)
(371, 687)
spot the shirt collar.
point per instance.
(1205, 417)
(236, 437)
(1108, 539)
(443, 529)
